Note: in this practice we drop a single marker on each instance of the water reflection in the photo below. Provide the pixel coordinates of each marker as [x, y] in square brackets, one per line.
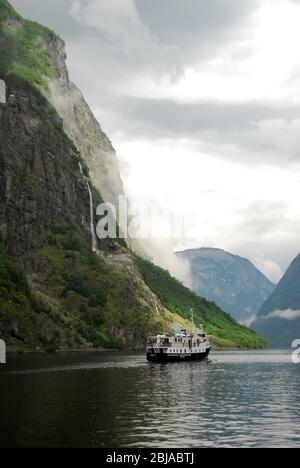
[120, 400]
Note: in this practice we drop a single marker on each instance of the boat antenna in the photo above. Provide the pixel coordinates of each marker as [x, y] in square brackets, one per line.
[193, 323]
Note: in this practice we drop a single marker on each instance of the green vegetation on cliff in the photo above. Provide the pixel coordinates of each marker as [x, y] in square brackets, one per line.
[66, 296]
[24, 318]
[22, 48]
[74, 299]
[103, 304]
[225, 331]
[83, 301]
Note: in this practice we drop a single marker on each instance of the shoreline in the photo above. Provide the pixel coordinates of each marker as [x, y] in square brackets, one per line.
[114, 350]
[62, 351]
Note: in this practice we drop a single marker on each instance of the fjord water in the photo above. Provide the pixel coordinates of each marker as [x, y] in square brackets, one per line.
[235, 399]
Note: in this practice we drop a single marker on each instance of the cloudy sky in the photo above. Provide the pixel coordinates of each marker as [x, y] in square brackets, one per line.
[201, 99]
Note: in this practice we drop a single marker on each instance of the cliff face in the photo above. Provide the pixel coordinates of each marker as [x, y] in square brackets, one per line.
[36, 54]
[39, 174]
[82, 127]
[85, 299]
[287, 293]
[81, 298]
[57, 293]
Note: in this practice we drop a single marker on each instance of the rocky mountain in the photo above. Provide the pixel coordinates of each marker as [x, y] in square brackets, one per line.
[60, 287]
[82, 127]
[233, 282]
[279, 317]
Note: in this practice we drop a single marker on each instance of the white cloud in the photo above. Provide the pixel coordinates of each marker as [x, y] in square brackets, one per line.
[272, 270]
[282, 135]
[288, 314]
[254, 67]
[118, 20]
[252, 212]
[119, 32]
[248, 322]
[202, 101]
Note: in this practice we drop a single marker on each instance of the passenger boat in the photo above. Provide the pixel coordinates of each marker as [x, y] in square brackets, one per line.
[181, 346]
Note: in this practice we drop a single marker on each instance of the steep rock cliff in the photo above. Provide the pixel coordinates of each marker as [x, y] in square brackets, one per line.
[55, 291]
[45, 226]
[82, 127]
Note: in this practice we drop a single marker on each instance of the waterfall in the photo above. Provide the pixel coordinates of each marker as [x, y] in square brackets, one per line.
[92, 227]
[2, 92]
[93, 234]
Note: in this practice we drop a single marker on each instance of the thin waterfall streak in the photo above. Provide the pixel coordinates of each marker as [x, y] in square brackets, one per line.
[93, 234]
[92, 227]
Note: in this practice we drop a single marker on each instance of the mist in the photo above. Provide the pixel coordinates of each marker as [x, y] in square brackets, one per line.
[287, 314]
[162, 253]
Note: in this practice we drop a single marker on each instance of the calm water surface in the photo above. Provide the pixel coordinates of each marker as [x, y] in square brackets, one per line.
[247, 399]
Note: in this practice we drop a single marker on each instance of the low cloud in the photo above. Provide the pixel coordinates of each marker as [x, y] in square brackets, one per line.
[272, 270]
[201, 99]
[248, 322]
[229, 131]
[287, 314]
[161, 252]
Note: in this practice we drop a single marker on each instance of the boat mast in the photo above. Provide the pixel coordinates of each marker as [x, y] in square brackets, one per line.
[193, 323]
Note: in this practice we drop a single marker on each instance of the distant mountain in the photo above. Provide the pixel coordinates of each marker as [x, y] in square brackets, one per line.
[279, 317]
[233, 282]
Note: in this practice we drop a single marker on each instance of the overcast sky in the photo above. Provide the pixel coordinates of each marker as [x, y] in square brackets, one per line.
[201, 99]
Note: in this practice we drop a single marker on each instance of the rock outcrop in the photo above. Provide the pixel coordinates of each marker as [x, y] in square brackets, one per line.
[82, 127]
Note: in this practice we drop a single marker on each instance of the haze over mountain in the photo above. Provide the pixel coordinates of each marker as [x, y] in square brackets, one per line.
[231, 281]
[60, 287]
[195, 98]
[279, 317]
